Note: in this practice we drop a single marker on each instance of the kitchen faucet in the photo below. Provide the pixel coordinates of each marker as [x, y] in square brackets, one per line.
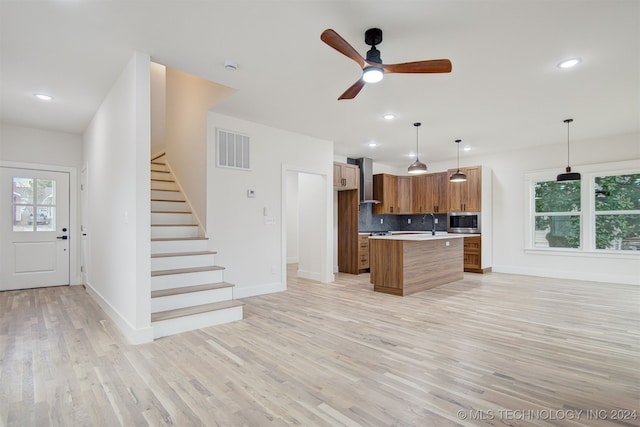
[433, 222]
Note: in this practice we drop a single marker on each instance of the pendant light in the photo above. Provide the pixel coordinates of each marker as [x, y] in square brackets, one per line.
[417, 167]
[568, 175]
[458, 176]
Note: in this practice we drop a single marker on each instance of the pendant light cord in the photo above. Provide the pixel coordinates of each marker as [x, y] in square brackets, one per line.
[417, 125]
[568, 122]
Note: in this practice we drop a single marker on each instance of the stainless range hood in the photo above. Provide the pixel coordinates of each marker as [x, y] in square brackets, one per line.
[366, 179]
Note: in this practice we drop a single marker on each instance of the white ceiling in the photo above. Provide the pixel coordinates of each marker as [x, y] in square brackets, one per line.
[505, 90]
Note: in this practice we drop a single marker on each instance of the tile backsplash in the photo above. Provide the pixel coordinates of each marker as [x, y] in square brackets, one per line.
[367, 221]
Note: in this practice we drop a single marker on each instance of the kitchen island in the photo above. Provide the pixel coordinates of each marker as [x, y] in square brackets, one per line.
[404, 264]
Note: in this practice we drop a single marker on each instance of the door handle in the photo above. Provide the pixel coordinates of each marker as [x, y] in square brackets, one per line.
[62, 237]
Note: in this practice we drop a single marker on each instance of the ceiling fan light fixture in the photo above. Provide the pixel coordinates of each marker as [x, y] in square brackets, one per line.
[372, 74]
[568, 175]
[417, 167]
[458, 176]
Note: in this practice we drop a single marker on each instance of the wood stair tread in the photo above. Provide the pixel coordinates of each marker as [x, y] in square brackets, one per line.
[174, 225]
[173, 212]
[168, 200]
[189, 289]
[197, 309]
[171, 239]
[162, 180]
[165, 255]
[186, 270]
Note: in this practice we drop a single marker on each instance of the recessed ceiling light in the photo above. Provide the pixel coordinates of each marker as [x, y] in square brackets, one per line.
[373, 144]
[466, 148]
[389, 116]
[569, 63]
[43, 97]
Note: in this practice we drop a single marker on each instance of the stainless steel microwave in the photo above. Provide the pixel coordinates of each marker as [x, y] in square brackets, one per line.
[463, 222]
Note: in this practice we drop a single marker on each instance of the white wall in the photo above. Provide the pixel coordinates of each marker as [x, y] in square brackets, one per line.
[509, 216]
[188, 98]
[312, 214]
[116, 154]
[158, 107]
[21, 144]
[252, 249]
[38, 147]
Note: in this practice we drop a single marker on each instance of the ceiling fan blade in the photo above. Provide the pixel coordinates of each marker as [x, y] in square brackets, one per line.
[353, 90]
[429, 66]
[334, 40]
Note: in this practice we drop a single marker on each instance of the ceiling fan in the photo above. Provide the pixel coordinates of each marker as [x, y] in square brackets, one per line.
[372, 68]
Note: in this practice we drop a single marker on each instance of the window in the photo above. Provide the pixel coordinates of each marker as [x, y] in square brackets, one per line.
[600, 213]
[34, 202]
[617, 212]
[557, 214]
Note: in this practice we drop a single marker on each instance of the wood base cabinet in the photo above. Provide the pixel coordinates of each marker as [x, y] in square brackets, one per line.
[473, 254]
[363, 252]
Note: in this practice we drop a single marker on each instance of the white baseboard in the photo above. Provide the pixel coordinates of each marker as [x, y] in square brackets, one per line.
[292, 260]
[311, 275]
[261, 289]
[133, 335]
[607, 277]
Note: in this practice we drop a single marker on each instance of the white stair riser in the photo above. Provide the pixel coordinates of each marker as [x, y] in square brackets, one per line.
[174, 232]
[163, 185]
[188, 261]
[186, 279]
[166, 195]
[164, 328]
[191, 299]
[165, 247]
[171, 218]
[169, 206]
[161, 175]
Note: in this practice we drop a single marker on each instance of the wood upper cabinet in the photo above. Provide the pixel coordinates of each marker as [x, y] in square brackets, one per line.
[429, 193]
[440, 192]
[404, 195]
[466, 196]
[385, 190]
[345, 176]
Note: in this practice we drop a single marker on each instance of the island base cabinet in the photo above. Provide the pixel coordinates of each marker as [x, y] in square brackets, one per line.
[406, 267]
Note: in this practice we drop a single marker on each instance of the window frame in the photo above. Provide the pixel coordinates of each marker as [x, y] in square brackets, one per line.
[587, 208]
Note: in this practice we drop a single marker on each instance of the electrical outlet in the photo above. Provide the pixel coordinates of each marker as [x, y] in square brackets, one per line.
[436, 220]
[408, 220]
[381, 220]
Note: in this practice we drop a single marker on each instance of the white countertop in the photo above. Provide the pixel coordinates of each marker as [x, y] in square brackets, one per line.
[423, 236]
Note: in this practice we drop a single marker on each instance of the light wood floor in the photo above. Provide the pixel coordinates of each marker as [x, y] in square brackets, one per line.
[491, 349]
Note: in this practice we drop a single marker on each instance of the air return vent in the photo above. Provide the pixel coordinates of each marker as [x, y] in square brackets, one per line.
[233, 150]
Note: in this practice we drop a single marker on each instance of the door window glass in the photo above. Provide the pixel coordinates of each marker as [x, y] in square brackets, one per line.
[34, 203]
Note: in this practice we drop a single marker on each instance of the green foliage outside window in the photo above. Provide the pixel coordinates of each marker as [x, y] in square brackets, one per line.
[559, 198]
[616, 199]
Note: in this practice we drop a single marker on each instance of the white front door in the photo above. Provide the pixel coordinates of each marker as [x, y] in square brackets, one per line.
[34, 228]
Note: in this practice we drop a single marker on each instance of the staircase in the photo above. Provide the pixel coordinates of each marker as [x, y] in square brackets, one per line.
[187, 288]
